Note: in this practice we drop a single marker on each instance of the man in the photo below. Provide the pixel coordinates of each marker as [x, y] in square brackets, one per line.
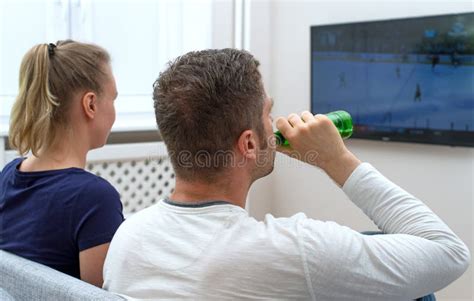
[215, 118]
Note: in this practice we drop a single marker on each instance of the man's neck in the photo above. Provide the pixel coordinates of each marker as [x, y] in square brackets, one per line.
[234, 192]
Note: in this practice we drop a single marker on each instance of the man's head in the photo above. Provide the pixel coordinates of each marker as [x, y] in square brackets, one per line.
[204, 101]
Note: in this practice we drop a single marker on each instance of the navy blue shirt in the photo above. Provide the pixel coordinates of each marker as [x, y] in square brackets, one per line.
[50, 216]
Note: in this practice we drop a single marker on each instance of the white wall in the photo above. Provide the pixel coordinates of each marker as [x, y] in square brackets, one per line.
[441, 176]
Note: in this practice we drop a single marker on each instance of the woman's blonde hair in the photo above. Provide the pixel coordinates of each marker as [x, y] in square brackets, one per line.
[50, 75]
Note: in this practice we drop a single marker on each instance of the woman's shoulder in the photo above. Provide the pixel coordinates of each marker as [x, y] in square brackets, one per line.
[10, 166]
[95, 188]
[98, 202]
[96, 183]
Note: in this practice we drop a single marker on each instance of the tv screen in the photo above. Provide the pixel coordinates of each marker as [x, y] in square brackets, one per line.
[402, 80]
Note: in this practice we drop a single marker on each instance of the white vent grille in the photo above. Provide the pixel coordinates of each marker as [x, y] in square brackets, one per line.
[141, 179]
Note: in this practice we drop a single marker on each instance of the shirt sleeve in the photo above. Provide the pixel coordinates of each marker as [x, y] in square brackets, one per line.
[418, 256]
[98, 214]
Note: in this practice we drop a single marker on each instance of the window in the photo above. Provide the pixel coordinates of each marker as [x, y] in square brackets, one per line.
[141, 36]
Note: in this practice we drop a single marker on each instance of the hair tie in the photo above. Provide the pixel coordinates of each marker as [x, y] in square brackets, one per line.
[51, 48]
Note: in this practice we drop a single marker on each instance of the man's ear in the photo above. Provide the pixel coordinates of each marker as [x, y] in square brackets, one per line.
[247, 144]
[89, 104]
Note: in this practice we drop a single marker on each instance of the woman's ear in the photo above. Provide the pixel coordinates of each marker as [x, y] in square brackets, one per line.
[247, 144]
[89, 104]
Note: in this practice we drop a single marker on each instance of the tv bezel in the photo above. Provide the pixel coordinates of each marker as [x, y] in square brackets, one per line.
[409, 135]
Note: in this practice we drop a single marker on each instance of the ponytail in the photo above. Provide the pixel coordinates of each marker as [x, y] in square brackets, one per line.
[32, 112]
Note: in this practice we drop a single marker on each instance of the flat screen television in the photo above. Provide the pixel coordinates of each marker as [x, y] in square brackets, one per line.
[408, 80]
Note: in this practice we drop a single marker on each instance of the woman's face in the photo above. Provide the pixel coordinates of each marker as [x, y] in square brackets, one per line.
[106, 109]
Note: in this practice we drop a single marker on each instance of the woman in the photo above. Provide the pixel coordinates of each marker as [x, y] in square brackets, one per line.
[52, 211]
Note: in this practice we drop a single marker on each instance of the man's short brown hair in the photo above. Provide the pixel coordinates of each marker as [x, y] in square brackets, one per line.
[203, 101]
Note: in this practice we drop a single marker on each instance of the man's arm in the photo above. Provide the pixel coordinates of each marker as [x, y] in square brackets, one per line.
[419, 254]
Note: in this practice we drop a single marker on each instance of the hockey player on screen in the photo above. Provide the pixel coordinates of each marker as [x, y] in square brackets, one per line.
[342, 80]
[434, 61]
[417, 93]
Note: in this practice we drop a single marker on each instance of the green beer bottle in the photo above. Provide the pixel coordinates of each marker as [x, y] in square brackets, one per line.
[341, 119]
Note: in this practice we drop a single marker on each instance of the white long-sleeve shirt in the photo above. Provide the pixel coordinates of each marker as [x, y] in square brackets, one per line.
[220, 252]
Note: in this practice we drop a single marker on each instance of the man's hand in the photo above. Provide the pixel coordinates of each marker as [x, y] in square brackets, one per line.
[315, 140]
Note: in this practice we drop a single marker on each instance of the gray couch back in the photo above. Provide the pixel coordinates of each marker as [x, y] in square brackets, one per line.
[22, 279]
